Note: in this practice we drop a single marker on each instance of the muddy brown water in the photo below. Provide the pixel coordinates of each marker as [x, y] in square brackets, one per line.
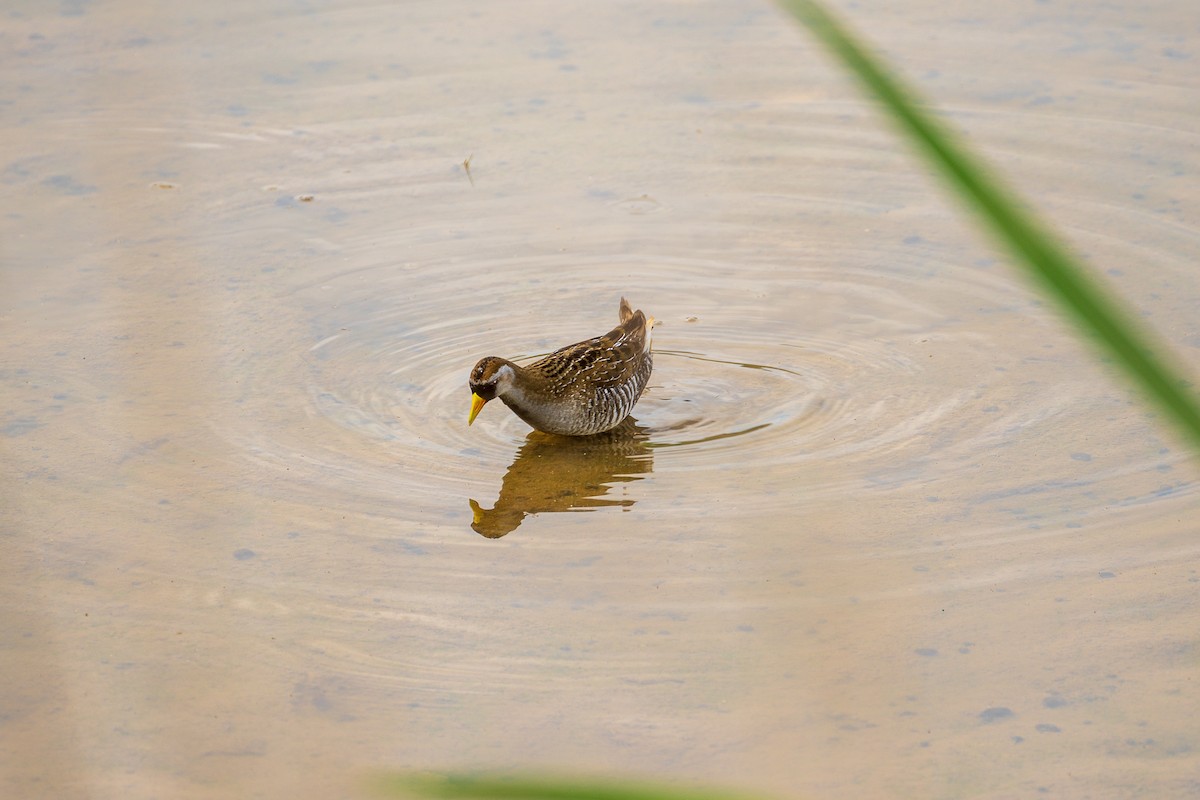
[881, 526]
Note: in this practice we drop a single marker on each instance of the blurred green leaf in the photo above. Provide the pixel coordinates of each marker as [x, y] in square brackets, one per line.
[1032, 245]
[539, 787]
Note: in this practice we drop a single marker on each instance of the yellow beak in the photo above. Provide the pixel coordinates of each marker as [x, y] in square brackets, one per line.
[477, 403]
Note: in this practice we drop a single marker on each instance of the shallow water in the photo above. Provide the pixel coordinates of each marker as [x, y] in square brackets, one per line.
[881, 527]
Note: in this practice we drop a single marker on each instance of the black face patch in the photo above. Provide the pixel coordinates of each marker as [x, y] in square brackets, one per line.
[485, 390]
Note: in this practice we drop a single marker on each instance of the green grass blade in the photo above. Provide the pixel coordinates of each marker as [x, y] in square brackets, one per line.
[1033, 246]
[462, 786]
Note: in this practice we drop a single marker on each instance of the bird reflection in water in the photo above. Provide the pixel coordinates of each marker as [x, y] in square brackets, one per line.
[566, 473]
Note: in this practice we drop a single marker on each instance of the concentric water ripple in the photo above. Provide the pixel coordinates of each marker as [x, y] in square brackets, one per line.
[896, 356]
[849, 368]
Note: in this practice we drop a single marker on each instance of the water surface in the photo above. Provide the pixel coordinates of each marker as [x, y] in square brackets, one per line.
[881, 526]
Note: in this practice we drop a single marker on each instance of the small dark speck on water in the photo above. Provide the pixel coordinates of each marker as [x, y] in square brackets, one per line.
[995, 714]
[244, 554]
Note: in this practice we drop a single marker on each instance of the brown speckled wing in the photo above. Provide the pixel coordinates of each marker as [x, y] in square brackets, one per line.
[608, 360]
